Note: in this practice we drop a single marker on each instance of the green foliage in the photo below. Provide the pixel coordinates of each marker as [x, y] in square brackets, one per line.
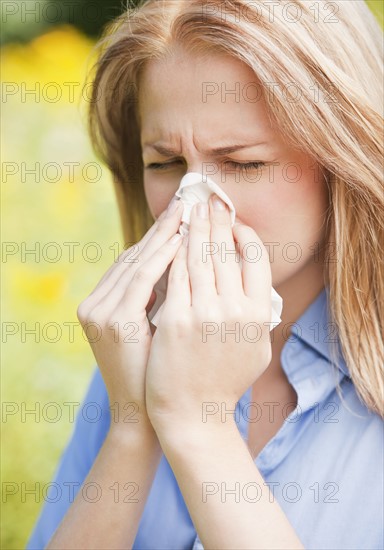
[43, 137]
[377, 8]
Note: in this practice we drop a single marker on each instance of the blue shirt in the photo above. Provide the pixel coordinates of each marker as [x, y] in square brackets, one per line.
[324, 465]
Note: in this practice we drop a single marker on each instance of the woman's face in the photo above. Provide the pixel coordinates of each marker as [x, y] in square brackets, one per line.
[190, 106]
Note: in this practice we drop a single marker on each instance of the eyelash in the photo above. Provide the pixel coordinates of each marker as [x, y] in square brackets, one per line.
[241, 166]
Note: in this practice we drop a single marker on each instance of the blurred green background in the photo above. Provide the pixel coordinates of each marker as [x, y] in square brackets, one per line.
[53, 191]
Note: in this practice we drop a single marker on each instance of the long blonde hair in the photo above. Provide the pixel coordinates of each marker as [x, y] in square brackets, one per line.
[334, 59]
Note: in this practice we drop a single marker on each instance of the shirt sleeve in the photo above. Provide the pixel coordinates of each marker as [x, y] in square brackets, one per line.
[91, 426]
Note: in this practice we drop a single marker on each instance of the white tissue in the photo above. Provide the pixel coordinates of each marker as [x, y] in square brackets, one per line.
[193, 188]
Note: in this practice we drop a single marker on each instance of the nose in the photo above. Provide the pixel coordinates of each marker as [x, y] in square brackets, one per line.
[198, 166]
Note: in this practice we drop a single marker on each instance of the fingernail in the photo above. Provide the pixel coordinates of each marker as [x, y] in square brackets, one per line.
[172, 207]
[202, 210]
[218, 203]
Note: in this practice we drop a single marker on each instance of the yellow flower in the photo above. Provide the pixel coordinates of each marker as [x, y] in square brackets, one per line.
[36, 287]
[62, 55]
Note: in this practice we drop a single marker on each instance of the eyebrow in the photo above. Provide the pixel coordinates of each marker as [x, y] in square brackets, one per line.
[168, 151]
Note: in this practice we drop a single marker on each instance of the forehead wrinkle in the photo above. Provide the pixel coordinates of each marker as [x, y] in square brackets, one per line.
[167, 150]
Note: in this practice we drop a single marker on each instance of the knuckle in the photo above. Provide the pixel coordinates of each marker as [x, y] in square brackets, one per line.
[208, 313]
[95, 317]
[82, 311]
[164, 252]
[201, 227]
[221, 220]
[111, 319]
[141, 275]
[178, 274]
[180, 327]
[163, 226]
[159, 228]
[235, 313]
[197, 263]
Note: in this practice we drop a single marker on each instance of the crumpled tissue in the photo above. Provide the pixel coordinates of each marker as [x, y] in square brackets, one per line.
[193, 188]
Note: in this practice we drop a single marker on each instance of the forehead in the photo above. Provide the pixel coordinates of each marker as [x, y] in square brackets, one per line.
[209, 92]
[183, 58]
[203, 75]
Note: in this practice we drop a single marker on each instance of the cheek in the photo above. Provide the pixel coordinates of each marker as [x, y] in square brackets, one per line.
[285, 212]
[290, 221]
[257, 207]
[258, 214]
[158, 196]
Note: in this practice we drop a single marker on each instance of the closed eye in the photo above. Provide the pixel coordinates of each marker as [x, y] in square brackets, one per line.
[236, 165]
[245, 165]
[157, 166]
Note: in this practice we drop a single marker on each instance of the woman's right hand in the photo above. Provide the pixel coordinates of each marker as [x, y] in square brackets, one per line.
[114, 316]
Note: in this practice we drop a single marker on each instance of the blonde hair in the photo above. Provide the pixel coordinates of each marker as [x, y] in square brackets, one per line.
[335, 62]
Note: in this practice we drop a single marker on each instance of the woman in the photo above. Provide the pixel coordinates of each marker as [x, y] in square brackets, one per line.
[231, 441]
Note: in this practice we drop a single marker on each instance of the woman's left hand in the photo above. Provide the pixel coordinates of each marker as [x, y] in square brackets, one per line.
[213, 338]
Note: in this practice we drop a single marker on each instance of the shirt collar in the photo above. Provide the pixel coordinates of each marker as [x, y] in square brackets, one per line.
[315, 329]
[312, 331]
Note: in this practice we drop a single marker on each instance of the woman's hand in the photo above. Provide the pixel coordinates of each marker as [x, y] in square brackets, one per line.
[114, 315]
[213, 338]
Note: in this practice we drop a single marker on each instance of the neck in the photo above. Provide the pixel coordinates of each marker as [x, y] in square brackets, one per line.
[297, 292]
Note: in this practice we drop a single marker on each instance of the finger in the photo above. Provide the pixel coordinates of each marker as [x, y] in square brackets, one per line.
[199, 258]
[150, 271]
[161, 231]
[226, 261]
[167, 226]
[151, 302]
[127, 256]
[135, 292]
[179, 288]
[256, 268]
